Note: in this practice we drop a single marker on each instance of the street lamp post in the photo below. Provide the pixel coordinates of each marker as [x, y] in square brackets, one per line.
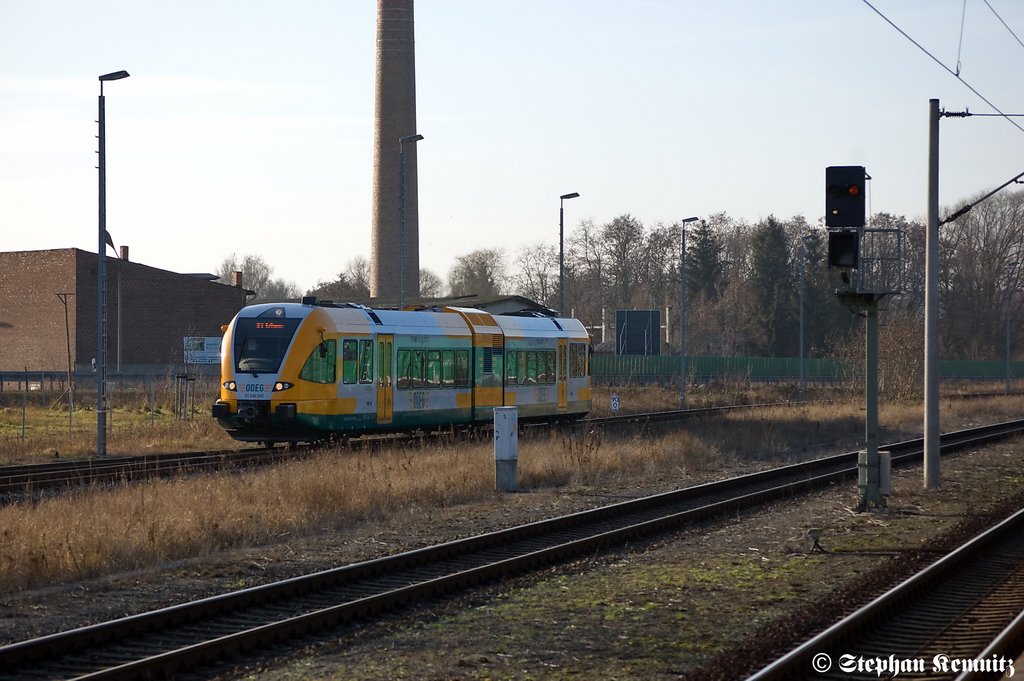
[682, 311]
[1009, 266]
[101, 275]
[561, 251]
[401, 215]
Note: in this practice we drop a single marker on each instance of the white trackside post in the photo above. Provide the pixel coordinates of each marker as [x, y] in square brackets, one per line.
[506, 449]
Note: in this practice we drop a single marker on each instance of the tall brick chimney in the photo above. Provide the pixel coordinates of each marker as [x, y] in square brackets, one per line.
[394, 118]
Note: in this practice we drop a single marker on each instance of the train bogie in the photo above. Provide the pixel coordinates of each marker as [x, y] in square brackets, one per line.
[294, 372]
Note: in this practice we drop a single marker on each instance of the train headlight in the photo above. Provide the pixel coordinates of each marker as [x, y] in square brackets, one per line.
[229, 385]
[281, 385]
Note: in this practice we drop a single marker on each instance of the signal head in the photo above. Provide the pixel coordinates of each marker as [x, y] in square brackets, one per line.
[844, 196]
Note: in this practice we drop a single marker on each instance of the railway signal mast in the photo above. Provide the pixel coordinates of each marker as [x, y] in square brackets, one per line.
[869, 262]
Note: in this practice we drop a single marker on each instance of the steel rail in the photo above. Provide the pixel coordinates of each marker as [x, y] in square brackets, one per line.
[136, 647]
[1009, 643]
[18, 480]
[29, 478]
[23, 479]
[966, 606]
[728, 494]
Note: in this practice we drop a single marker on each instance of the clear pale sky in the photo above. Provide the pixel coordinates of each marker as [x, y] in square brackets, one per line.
[246, 126]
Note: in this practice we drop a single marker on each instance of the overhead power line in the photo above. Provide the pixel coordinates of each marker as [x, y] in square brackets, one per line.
[1003, 22]
[939, 62]
[956, 74]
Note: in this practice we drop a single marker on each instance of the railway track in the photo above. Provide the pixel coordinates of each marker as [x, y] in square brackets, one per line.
[17, 481]
[20, 480]
[164, 642]
[960, 618]
[30, 478]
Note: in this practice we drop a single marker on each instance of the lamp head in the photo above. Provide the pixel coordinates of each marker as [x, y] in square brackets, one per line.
[116, 75]
[569, 196]
[410, 138]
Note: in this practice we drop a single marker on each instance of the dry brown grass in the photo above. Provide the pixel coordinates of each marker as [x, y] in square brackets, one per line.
[642, 399]
[37, 426]
[130, 434]
[92, 532]
[37, 433]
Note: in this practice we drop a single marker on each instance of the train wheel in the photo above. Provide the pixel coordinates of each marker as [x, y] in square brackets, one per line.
[269, 443]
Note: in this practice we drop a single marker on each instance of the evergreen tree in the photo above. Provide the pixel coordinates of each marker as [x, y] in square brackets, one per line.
[774, 290]
[705, 269]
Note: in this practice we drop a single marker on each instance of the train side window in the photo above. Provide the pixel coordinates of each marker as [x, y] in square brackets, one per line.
[448, 369]
[462, 368]
[349, 360]
[549, 376]
[511, 364]
[366, 361]
[419, 360]
[575, 365]
[433, 374]
[531, 367]
[404, 369]
[320, 366]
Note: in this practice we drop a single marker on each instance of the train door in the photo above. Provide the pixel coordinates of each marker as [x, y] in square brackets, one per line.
[562, 373]
[385, 377]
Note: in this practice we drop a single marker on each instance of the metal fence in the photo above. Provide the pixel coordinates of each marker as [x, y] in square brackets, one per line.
[177, 392]
[182, 389]
[646, 369]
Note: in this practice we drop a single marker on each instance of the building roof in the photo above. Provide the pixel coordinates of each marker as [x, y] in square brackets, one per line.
[495, 304]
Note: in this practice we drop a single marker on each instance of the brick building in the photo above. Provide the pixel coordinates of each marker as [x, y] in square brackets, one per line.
[153, 309]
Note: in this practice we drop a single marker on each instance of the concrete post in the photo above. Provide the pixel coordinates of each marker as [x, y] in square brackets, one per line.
[885, 473]
[932, 472]
[506, 449]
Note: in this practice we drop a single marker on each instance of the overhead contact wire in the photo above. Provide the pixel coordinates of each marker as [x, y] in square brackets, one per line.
[939, 62]
[1003, 22]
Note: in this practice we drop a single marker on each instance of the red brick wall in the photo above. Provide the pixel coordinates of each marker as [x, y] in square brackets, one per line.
[32, 330]
[157, 309]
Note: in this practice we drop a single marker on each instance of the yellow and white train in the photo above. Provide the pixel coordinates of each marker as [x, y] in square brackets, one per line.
[294, 372]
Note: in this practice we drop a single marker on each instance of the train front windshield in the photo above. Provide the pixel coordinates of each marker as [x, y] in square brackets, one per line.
[260, 344]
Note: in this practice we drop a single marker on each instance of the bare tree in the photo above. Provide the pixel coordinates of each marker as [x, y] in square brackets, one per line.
[626, 246]
[352, 284]
[358, 273]
[431, 285]
[660, 274]
[256, 276]
[978, 253]
[585, 281]
[536, 274]
[481, 273]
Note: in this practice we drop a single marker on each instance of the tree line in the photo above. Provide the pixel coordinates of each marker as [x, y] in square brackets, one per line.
[743, 281]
